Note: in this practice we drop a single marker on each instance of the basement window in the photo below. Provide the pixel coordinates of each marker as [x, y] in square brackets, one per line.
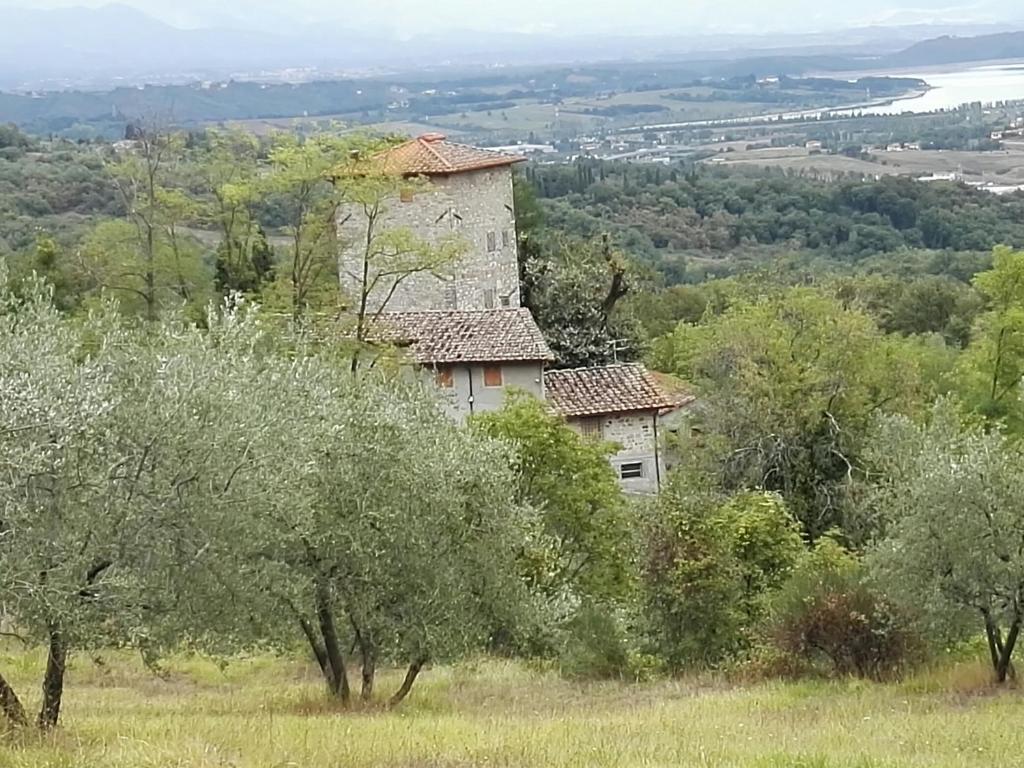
[632, 471]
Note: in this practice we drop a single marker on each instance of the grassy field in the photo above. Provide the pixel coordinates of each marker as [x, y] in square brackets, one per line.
[272, 713]
[1001, 167]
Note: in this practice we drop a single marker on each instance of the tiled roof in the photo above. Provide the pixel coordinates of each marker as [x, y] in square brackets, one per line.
[492, 336]
[677, 391]
[432, 155]
[611, 389]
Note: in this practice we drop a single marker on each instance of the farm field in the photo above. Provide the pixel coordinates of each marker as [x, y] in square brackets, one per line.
[267, 712]
[1001, 167]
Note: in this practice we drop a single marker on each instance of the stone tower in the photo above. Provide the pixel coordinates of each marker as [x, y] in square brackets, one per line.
[468, 196]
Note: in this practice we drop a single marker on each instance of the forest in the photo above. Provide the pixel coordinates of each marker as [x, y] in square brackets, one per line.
[206, 462]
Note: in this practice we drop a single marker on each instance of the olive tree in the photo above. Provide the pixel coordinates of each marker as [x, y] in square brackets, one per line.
[106, 446]
[373, 522]
[950, 498]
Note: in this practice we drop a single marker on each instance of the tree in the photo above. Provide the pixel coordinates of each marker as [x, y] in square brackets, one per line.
[107, 447]
[146, 259]
[230, 170]
[583, 548]
[574, 289]
[711, 562]
[991, 371]
[378, 258]
[380, 525]
[948, 496]
[299, 182]
[789, 385]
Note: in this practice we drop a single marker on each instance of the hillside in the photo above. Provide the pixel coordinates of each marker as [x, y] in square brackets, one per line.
[952, 50]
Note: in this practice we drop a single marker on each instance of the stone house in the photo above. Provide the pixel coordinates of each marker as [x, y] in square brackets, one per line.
[465, 329]
[469, 199]
[623, 404]
[473, 356]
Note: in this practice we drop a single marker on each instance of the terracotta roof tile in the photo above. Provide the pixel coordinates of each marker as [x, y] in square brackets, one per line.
[433, 155]
[611, 389]
[497, 335]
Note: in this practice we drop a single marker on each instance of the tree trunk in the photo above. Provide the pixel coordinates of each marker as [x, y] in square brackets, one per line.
[1000, 650]
[410, 677]
[338, 678]
[11, 705]
[1004, 670]
[53, 681]
[317, 647]
[369, 656]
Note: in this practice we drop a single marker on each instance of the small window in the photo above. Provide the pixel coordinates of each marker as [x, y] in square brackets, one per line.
[451, 295]
[492, 242]
[590, 428]
[444, 378]
[488, 298]
[492, 376]
[407, 194]
[506, 239]
[506, 301]
[632, 471]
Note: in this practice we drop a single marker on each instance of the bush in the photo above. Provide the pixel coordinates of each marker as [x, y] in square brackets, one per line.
[597, 647]
[710, 563]
[827, 616]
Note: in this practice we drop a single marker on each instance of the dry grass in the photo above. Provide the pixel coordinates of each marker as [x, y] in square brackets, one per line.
[265, 712]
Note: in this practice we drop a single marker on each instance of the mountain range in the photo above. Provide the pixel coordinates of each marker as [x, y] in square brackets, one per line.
[120, 45]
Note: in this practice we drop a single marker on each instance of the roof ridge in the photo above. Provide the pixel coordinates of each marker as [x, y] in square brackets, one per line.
[597, 367]
[428, 146]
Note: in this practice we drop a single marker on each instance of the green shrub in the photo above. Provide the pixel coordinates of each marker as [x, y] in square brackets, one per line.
[828, 616]
[596, 646]
[710, 563]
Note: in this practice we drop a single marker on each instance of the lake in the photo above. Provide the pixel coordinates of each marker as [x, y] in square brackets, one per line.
[987, 84]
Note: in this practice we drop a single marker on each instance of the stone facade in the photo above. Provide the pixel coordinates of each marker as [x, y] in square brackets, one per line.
[638, 463]
[475, 208]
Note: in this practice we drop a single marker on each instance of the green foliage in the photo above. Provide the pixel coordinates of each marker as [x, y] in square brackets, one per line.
[991, 370]
[826, 614]
[583, 548]
[574, 288]
[948, 500]
[596, 646]
[710, 563]
[789, 384]
[688, 226]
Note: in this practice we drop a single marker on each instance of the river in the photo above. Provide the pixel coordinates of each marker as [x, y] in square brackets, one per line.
[949, 88]
[987, 84]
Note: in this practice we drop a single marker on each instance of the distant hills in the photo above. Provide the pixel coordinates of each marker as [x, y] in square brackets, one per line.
[955, 50]
[98, 48]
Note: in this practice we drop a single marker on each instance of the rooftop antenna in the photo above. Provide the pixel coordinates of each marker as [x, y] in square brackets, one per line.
[617, 345]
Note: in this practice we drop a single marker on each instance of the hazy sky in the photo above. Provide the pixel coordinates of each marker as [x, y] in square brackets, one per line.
[564, 16]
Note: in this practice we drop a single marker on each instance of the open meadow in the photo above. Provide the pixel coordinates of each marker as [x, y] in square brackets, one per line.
[266, 712]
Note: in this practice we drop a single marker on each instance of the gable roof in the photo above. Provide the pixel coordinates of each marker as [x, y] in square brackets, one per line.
[433, 155]
[623, 388]
[489, 336]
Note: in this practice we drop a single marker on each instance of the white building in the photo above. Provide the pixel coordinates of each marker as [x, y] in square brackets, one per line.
[473, 356]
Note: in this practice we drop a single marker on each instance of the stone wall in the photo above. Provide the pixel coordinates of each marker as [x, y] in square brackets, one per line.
[635, 433]
[476, 209]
